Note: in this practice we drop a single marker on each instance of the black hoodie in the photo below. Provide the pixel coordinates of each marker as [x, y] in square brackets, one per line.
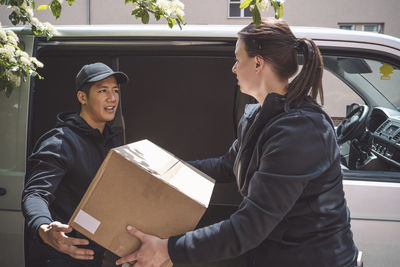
[64, 162]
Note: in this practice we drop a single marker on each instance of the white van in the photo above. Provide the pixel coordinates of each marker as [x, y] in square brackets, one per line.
[184, 97]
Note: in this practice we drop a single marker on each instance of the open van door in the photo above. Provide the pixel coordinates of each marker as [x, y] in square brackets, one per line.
[13, 137]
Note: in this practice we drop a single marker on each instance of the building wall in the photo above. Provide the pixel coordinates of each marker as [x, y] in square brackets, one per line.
[324, 13]
[328, 13]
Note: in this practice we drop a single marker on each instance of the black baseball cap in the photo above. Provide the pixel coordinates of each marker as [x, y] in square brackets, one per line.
[96, 72]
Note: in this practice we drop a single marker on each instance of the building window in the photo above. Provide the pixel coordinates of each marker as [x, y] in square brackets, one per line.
[368, 27]
[347, 27]
[235, 11]
[372, 28]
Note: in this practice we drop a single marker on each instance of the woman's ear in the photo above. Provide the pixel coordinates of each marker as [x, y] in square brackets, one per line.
[82, 98]
[259, 63]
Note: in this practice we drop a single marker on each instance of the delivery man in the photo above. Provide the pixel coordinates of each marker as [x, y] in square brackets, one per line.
[61, 167]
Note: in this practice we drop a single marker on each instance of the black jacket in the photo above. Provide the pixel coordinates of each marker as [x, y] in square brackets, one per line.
[287, 166]
[64, 162]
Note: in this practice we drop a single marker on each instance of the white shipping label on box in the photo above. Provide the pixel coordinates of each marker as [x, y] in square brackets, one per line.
[87, 221]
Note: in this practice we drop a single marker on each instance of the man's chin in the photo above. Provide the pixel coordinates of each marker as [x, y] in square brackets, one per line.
[109, 118]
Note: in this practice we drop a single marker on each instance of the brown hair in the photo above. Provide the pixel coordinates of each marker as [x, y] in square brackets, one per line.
[86, 89]
[274, 41]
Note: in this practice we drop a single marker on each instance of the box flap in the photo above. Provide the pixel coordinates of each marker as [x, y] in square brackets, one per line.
[194, 184]
[147, 155]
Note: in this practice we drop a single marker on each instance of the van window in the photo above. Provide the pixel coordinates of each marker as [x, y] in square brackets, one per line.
[337, 97]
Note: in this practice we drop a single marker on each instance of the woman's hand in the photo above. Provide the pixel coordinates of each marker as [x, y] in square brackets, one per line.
[54, 235]
[152, 253]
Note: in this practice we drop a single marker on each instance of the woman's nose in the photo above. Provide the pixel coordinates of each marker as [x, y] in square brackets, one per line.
[234, 68]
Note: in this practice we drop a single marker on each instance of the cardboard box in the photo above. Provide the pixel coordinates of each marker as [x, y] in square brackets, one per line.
[145, 186]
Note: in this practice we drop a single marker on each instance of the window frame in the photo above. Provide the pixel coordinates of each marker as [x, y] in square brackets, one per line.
[380, 27]
[242, 11]
[361, 26]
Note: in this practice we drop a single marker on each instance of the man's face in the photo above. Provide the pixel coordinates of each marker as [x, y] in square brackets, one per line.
[102, 102]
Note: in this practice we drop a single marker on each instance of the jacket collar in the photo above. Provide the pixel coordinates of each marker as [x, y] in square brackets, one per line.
[76, 123]
[272, 106]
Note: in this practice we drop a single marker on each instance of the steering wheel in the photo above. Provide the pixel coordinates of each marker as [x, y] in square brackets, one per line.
[353, 124]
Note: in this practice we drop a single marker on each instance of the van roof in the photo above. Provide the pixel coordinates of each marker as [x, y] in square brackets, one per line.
[211, 31]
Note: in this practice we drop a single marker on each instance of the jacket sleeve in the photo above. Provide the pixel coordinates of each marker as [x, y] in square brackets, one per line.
[46, 167]
[293, 153]
[221, 168]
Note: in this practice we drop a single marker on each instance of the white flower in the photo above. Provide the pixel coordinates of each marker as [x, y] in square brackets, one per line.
[24, 5]
[163, 4]
[12, 37]
[37, 62]
[3, 36]
[11, 34]
[18, 53]
[171, 7]
[23, 54]
[8, 51]
[180, 13]
[28, 8]
[135, 5]
[280, 2]
[35, 21]
[263, 5]
[13, 61]
[25, 61]
[4, 54]
[176, 5]
[16, 10]
[50, 27]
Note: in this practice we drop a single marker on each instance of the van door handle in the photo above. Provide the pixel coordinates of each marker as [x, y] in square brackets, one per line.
[3, 191]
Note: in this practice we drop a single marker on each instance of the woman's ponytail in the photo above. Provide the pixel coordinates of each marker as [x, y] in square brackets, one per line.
[275, 42]
[308, 83]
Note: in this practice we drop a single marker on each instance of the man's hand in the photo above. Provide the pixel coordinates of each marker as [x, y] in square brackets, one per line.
[152, 253]
[54, 235]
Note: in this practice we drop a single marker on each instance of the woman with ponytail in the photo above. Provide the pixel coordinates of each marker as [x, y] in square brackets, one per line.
[286, 163]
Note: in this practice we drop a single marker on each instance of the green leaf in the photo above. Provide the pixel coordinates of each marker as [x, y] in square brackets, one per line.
[171, 22]
[24, 16]
[129, 1]
[14, 18]
[70, 2]
[179, 18]
[280, 12]
[145, 17]
[256, 16]
[55, 8]
[157, 15]
[245, 4]
[16, 2]
[135, 11]
[179, 24]
[145, 4]
[42, 7]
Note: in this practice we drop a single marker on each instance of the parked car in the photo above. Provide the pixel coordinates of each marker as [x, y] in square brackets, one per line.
[184, 97]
